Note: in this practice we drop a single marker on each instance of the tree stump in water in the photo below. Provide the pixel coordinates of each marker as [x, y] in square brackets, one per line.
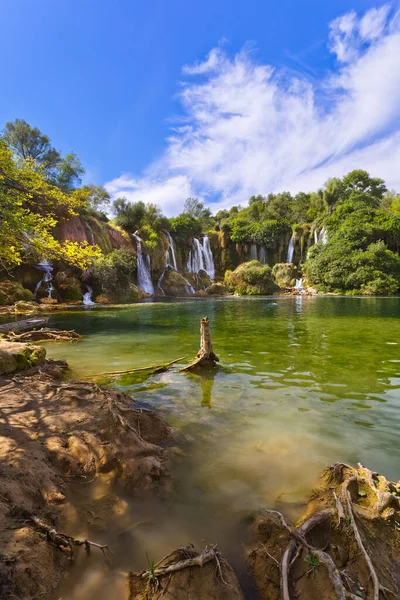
[205, 357]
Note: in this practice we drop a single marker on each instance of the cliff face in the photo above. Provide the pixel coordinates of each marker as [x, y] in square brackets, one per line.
[93, 231]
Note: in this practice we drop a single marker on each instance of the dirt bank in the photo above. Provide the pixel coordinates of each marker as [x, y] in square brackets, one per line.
[55, 436]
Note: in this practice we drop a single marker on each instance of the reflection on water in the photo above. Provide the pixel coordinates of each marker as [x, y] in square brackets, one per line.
[304, 382]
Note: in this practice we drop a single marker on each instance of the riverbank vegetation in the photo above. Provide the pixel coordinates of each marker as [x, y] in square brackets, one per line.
[343, 238]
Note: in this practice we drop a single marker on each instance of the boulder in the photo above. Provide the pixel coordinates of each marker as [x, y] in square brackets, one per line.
[12, 291]
[174, 284]
[15, 356]
[216, 289]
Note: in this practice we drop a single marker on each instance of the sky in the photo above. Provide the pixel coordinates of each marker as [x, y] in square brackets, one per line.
[220, 100]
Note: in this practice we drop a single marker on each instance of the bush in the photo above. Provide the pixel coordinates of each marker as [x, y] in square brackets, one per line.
[344, 267]
[251, 278]
[285, 274]
[112, 275]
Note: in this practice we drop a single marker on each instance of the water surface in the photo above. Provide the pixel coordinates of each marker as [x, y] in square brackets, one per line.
[304, 382]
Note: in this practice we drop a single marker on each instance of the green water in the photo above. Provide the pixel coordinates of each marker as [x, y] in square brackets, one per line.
[304, 382]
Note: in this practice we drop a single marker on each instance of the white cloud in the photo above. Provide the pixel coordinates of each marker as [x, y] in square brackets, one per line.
[251, 129]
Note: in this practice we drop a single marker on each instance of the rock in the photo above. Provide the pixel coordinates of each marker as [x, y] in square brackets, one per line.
[251, 278]
[12, 291]
[193, 582]
[174, 284]
[102, 300]
[48, 301]
[203, 280]
[68, 286]
[15, 356]
[216, 289]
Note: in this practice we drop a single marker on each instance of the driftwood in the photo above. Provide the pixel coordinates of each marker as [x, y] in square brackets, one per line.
[44, 334]
[25, 325]
[152, 368]
[205, 357]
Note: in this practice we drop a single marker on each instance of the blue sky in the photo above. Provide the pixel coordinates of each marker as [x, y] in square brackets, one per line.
[108, 80]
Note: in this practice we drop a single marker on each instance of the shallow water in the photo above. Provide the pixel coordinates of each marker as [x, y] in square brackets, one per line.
[304, 382]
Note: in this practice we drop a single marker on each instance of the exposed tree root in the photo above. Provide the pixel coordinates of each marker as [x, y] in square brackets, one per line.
[193, 560]
[348, 493]
[61, 540]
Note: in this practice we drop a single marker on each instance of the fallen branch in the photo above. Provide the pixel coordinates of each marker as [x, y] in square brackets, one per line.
[154, 368]
[44, 334]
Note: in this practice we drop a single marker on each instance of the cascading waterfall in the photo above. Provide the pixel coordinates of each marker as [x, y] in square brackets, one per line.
[315, 236]
[208, 258]
[290, 251]
[201, 258]
[143, 268]
[87, 298]
[323, 236]
[253, 251]
[263, 255]
[195, 261]
[171, 252]
[47, 278]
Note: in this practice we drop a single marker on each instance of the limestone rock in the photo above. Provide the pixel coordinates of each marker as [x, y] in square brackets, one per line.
[15, 356]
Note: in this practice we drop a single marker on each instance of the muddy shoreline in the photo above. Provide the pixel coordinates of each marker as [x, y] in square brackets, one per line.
[73, 453]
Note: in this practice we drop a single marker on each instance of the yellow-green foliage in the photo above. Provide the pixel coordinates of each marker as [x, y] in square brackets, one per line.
[29, 208]
[12, 291]
[252, 279]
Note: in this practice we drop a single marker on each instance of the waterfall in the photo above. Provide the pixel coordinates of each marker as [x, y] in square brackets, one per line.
[299, 285]
[195, 260]
[143, 268]
[91, 233]
[253, 251]
[263, 255]
[315, 236]
[47, 278]
[87, 298]
[323, 236]
[201, 258]
[208, 258]
[171, 251]
[290, 250]
[189, 290]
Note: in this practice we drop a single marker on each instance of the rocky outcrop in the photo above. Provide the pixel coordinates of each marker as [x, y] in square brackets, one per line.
[216, 289]
[12, 291]
[93, 231]
[15, 356]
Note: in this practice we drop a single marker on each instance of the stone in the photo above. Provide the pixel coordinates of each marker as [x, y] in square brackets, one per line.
[15, 356]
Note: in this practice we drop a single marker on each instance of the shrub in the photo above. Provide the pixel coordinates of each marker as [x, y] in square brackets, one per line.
[112, 275]
[251, 278]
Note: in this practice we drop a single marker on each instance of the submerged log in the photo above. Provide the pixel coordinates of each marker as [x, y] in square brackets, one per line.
[24, 325]
[205, 357]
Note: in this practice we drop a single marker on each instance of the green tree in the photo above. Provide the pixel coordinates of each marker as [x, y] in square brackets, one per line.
[30, 143]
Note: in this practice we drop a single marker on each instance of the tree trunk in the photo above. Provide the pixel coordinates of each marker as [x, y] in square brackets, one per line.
[26, 325]
[205, 357]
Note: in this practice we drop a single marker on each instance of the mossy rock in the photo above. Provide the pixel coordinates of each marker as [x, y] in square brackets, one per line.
[251, 279]
[203, 280]
[15, 356]
[68, 286]
[174, 284]
[216, 289]
[285, 274]
[12, 291]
